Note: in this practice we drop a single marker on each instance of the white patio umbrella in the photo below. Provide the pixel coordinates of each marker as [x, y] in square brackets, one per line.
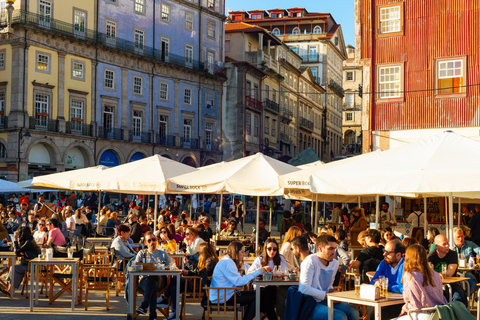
[442, 165]
[255, 175]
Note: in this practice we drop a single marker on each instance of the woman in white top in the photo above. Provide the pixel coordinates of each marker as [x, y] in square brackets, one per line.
[286, 250]
[193, 241]
[273, 259]
[227, 275]
[81, 221]
[40, 236]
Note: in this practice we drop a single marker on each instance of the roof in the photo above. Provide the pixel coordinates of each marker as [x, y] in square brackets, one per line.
[246, 27]
[298, 8]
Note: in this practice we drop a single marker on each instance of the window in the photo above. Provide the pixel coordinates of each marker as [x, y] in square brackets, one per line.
[274, 95]
[255, 91]
[296, 30]
[209, 100]
[137, 123]
[165, 48]
[274, 15]
[163, 91]
[211, 4]
[43, 62]
[189, 21]
[297, 14]
[314, 74]
[389, 82]
[139, 6]
[248, 89]
[138, 85]
[108, 112]
[208, 135]
[3, 151]
[187, 96]
[267, 91]
[165, 12]
[2, 59]
[187, 130]
[256, 16]
[312, 54]
[210, 61]
[349, 100]
[188, 55]
[276, 32]
[294, 49]
[266, 125]
[45, 13]
[227, 45]
[274, 124]
[390, 19]
[139, 36]
[211, 29]
[163, 128]
[336, 41]
[41, 110]
[248, 123]
[255, 126]
[317, 30]
[111, 27]
[349, 116]
[451, 76]
[78, 70]
[2, 103]
[109, 79]
[76, 115]
[349, 76]
[79, 22]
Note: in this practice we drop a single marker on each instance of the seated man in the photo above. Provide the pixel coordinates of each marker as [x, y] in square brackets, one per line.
[369, 258]
[55, 236]
[466, 248]
[151, 284]
[391, 266]
[444, 256]
[317, 274]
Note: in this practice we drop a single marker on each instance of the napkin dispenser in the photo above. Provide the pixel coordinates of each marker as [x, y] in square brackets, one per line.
[462, 263]
[369, 292]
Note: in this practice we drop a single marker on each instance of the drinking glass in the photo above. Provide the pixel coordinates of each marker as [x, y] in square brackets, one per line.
[444, 270]
[70, 253]
[357, 285]
[385, 287]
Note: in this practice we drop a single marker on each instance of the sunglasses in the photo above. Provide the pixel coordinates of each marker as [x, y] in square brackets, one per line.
[270, 249]
[41, 224]
[388, 252]
[164, 231]
[187, 233]
[151, 240]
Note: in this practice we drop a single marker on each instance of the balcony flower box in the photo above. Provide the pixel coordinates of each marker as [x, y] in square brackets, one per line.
[42, 115]
[77, 120]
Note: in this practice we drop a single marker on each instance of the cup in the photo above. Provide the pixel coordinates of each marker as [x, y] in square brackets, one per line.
[70, 253]
[444, 270]
[385, 287]
[358, 282]
[267, 276]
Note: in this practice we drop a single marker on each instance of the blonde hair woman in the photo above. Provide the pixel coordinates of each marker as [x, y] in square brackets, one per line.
[286, 250]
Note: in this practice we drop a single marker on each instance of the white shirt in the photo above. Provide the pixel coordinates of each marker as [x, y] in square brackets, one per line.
[226, 275]
[70, 222]
[257, 264]
[287, 253]
[316, 279]
[193, 249]
[413, 219]
[389, 217]
[82, 220]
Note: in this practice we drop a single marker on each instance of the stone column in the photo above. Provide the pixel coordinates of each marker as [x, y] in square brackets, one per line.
[18, 104]
[61, 99]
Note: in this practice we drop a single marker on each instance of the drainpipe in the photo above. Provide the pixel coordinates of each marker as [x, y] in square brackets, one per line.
[245, 115]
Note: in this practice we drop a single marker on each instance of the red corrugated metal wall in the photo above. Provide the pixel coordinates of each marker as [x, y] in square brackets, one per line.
[433, 29]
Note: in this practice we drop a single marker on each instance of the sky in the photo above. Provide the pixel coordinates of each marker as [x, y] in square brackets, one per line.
[341, 10]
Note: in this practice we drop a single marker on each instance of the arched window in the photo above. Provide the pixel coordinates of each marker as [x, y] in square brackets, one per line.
[295, 30]
[3, 151]
[317, 29]
[276, 32]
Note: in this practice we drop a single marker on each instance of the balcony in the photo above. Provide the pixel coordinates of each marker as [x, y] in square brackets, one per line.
[190, 143]
[70, 30]
[166, 140]
[110, 133]
[253, 104]
[79, 128]
[285, 138]
[301, 36]
[311, 57]
[306, 124]
[211, 146]
[352, 106]
[286, 115]
[261, 58]
[3, 122]
[140, 137]
[271, 106]
[336, 87]
[41, 122]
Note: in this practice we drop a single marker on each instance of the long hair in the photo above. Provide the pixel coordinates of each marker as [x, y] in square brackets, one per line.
[78, 213]
[24, 233]
[434, 231]
[276, 259]
[207, 252]
[169, 235]
[292, 232]
[232, 250]
[416, 260]
[359, 210]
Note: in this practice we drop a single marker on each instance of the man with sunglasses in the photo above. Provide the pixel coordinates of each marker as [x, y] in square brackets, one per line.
[391, 266]
[151, 284]
[55, 235]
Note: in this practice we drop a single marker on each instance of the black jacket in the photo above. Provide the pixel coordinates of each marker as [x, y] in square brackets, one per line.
[136, 232]
[29, 250]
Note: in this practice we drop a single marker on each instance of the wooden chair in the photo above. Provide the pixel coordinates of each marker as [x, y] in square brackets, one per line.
[194, 296]
[163, 311]
[97, 277]
[222, 309]
[26, 281]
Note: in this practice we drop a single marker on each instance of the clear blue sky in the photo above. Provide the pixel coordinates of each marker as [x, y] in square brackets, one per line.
[341, 10]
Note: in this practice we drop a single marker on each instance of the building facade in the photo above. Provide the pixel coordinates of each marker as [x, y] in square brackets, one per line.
[421, 69]
[273, 104]
[108, 82]
[352, 104]
[318, 40]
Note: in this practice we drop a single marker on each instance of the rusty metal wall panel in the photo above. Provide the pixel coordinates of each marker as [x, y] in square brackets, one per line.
[433, 29]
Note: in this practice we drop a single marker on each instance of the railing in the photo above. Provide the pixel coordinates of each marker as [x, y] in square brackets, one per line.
[68, 29]
[166, 140]
[285, 137]
[336, 87]
[286, 115]
[211, 145]
[3, 122]
[352, 106]
[254, 103]
[43, 123]
[80, 128]
[138, 136]
[306, 124]
[190, 143]
[110, 133]
[310, 57]
[271, 105]
[252, 57]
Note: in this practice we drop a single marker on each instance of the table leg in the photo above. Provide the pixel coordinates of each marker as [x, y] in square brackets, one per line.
[257, 302]
[12, 277]
[32, 267]
[37, 283]
[378, 313]
[131, 279]
[450, 294]
[178, 297]
[74, 284]
[330, 308]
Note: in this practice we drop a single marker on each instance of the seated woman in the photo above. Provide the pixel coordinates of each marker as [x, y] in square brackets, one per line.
[24, 246]
[123, 248]
[165, 237]
[192, 240]
[178, 234]
[227, 275]
[41, 234]
[387, 235]
[273, 259]
[286, 249]
[230, 230]
[81, 221]
[112, 222]
[422, 286]
[102, 220]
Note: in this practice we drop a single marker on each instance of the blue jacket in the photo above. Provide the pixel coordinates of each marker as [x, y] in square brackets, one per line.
[298, 306]
[394, 280]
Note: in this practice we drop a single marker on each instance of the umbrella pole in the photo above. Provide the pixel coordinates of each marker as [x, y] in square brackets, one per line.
[359, 202]
[258, 218]
[394, 207]
[155, 214]
[316, 214]
[377, 213]
[459, 210]
[450, 211]
[220, 211]
[271, 215]
[311, 212]
[425, 216]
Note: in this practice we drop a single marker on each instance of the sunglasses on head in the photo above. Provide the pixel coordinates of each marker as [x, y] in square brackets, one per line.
[272, 248]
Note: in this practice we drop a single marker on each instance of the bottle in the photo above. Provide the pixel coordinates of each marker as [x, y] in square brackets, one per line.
[144, 258]
[471, 261]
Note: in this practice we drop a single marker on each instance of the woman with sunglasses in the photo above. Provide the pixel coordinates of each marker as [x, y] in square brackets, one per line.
[273, 259]
[165, 237]
[193, 241]
[227, 275]
[230, 230]
[40, 235]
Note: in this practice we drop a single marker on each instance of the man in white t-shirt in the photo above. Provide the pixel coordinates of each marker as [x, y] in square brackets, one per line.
[416, 218]
[69, 220]
[387, 218]
[317, 274]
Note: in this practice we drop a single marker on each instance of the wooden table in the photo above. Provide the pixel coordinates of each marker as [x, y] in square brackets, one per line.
[99, 240]
[35, 266]
[263, 283]
[132, 287]
[179, 257]
[12, 258]
[352, 297]
[447, 282]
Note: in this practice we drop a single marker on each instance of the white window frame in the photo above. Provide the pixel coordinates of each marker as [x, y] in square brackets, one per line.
[296, 31]
[187, 96]
[163, 125]
[211, 26]
[386, 86]
[139, 6]
[349, 116]
[451, 68]
[210, 61]
[42, 107]
[3, 58]
[77, 108]
[165, 13]
[317, 30]
[79, 22]
[189, 21]
[211, 4]
[137, 123]
[139, 39]
[349, 100]
[209, 100]
[163, 91]
[111, 30]
[78, 70]
[189, 54]
[43, 62]
[390, 19]
[248, 123]
[256, 126]
[45, 9]
[137, 85]
[208, 135]
[108, 118]
[352, 74]
[3, 102]
[266, 125]
[187, 130]
[109, 79]
[276, 32]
